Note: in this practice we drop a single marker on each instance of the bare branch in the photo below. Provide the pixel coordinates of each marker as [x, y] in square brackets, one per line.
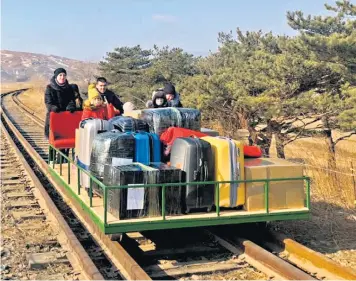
[292, 140]
[295, 138]
[313, 121]
[133, 96]
[293, 129]
[300, 137]
[345, 137]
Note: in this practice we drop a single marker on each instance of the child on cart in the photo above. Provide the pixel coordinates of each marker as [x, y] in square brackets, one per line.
[94, 106]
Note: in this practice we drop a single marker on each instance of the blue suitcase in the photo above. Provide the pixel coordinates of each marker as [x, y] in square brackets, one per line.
[147, 148]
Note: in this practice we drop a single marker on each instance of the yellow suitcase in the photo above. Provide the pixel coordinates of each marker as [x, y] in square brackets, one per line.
[229, 165]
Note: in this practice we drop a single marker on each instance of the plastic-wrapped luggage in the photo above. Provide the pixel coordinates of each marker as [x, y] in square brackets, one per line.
[229, 166]
[152, 204]
[160, 119]
[88, 129]
[195, 157]
[147, 148]
[110, 148]
[117, 148]
[173, 194]
[128, 124]
[125, 203]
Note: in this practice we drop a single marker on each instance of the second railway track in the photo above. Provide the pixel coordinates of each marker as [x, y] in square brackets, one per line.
[30, 249]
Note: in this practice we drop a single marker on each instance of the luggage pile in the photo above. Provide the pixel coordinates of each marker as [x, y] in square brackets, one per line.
[160, 119]
[168, 145]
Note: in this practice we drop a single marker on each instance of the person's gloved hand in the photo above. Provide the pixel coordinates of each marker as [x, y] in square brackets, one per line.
[71, 108]
[54, 108]
[117, 112]
[149, 104]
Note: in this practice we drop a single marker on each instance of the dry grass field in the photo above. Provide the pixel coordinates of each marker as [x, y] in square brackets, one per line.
[8, 87]
[336, 186]
[34, 98]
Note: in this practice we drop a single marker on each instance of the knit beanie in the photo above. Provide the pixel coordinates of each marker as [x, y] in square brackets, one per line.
[169, 89]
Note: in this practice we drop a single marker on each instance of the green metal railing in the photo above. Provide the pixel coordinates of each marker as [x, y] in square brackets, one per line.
[163, 186]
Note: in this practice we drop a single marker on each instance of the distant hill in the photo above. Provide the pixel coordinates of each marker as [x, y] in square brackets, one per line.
[23, 67]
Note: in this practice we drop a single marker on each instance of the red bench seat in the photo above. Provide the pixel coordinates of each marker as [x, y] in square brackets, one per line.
[62, 128]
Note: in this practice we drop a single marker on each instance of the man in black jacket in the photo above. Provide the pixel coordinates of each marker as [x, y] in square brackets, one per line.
[109, 96]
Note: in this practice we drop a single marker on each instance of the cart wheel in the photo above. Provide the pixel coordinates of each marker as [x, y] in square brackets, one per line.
[116, 237]
[209, 209]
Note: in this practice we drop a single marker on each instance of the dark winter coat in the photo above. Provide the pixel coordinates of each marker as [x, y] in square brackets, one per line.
[114, 100]
[175, 102]
[78, 98]
[57, 99]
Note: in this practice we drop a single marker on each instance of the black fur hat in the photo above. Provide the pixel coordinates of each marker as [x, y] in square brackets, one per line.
[59, 71]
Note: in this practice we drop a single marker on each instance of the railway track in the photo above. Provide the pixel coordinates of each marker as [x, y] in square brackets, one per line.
[202, 254]
[230, 252]
[184, 253]
[99, 258]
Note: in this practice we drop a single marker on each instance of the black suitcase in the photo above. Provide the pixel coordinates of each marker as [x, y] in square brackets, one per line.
[173, 194]
[160, 119]
[194, 156]
[128, 124]
[110, 148]
[129, 203]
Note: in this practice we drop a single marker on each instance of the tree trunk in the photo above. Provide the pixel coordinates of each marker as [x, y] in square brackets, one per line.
[263, 140]
[274, 127]
[280, 146]
[331, 150]
[243, 122]
[330, 143]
